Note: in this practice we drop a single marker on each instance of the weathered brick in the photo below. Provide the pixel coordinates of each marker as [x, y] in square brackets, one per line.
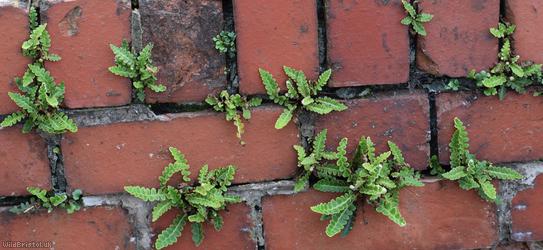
[14, 26]
[23, 162]
[526, 212]
[367, 44]
[402, 118]
[91, 228]
[499, 131]
[135, 153]
[439, 215]
[81, 32]
[273, 34]
[526, 15]
[458, 41]
[184, 52]
[236, 232]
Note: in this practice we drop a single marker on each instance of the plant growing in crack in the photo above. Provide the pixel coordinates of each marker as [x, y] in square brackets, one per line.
[415, 20]
[198, 202]
[42, 199]
[236, 107]
[470, 172]
[225, 43]
[375, 179]
[301, 94]
[40, 96]
[138, 67]
[509, 72]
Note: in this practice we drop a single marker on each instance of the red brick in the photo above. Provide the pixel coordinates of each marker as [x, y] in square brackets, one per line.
[526, 212]
[103, 159]
[439, 216]
[499, 131]
[14, 26]
[273, 34]
[81, 32]
[367, 44]
[182, 33]
[23, 162]
[235, 234]
[91, 228]
[402, 118]
[458, 38]
[526, 15]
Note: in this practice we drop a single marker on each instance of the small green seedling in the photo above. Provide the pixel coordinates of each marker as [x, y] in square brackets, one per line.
[509, 72]
[225, 43]
[470, 172]
[414, 19]
[42, 199]
[197, 203]
[236, 107]
[139, 68]
[453, 85]
[40, 96]
[377, 179]
[301, 94]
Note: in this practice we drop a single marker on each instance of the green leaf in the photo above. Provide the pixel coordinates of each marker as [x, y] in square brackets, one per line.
[424, 17]
[503, 173]
[170, 234]
[488, 189]
[76, 194]
[517, 70]
[58, 199]
[123, 55]
[197, 233]
[284, 118]
[39, 193]
[337, 186]
[182, 161]
[23, 102]
[323, 80]
[160, 209]
[12, 119]
[455, 173]
[325, 105]
[302, 182]
[319, 144]
[158, 88]
[406, 20]
[218, 222]
[145, 194]
[336, 205]
[409, 8]
[300, 79]
[270, 84]
[396, 153]
[206, 201]
[340, 220]
[122, 71]
[389, 207]
[418, 28]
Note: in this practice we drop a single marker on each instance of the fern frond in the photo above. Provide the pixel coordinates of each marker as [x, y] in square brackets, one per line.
[170, 235]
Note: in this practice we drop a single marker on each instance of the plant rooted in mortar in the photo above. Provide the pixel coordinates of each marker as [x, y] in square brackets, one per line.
[414, 19]
[376, 179]
[42, 199]
[225, 43]
[139, 68]
[40, 96]
[235, 106]
[197, 202]
[301, 94]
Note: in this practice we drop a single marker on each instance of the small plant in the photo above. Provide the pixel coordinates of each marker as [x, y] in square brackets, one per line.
[225, 43]
[414, 19]
[233, 105]
[42, 199]
[470, 172]
[40, 96]
[300, 91]
[453, 85]
[377, 179]
[508, 72]
[139, 68]
[198, 203]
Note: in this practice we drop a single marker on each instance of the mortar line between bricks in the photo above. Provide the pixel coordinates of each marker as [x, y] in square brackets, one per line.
[322, 35]
[434, 132]
[232, 83]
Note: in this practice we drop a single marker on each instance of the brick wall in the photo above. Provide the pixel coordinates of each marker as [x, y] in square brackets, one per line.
[120, 142]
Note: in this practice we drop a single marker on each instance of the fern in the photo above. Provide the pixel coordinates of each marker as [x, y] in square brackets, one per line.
[138, 67]
[415, 20]
[470, 172]
[225, 43]
[198, 202]
[301, 94]
[236, 107]
[43, 199]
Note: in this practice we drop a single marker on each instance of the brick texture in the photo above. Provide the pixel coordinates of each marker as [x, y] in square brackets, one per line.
[526, 14]
[23, 162]
[135, 153]
[384, 118]
[367, 44]
[272, 34]
[81, 32]
[184, 52]
[526, 212]
[92, 228]
[458, 41]
[499, 131]
[439, 216]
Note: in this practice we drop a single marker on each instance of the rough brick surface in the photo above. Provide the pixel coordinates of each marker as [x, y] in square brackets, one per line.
[92, 228]
[402, 118]
[458, 38]
[81, 32]
[184, 52]
[367, 44]
[23, 162]
[135, 153]
[272, 34]
[235, 234]
[439, 216]
[14, 26]
[526, 14]
[499, 131]
[526, 212]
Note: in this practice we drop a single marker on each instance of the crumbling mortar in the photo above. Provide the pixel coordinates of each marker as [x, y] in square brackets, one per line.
[136, 31]
[56, 162]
